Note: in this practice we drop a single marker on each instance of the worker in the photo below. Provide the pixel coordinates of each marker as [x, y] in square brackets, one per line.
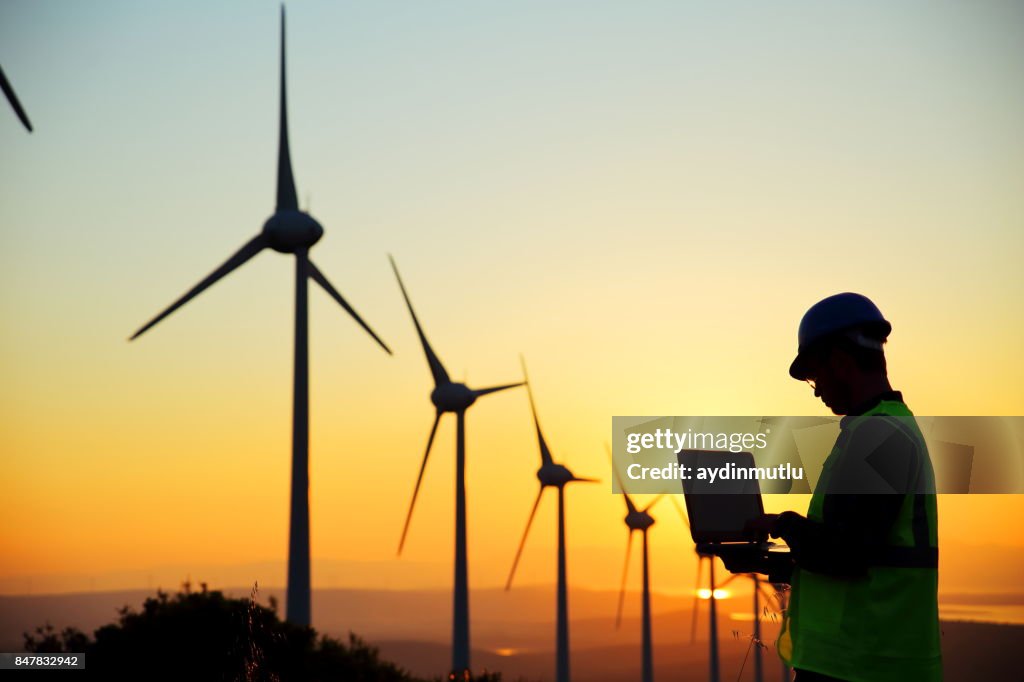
[863, 605]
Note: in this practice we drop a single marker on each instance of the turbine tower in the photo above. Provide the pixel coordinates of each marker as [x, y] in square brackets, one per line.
[712, 598]
[288, 231]
[448, 396]
[760, 611]
[13, 99]
[638, 520]
[712, 602]
[552, 475]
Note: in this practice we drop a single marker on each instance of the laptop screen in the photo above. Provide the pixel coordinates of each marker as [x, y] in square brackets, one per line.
[720, 503]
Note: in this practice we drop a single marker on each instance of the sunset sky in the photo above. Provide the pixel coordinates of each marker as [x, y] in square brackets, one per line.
[641, 199]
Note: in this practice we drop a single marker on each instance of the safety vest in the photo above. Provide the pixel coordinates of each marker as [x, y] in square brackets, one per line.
[884, 626]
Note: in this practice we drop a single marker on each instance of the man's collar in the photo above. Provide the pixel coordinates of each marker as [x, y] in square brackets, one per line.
[869, 404]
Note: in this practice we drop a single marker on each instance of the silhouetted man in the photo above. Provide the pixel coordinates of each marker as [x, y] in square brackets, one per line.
[864, 582]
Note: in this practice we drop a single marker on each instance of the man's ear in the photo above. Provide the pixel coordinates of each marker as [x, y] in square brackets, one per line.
[843, 364]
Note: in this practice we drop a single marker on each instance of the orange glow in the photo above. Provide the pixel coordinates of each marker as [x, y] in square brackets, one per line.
[705, 593]
[648, 242]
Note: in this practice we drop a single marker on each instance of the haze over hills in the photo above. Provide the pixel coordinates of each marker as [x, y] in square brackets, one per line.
[518, 619]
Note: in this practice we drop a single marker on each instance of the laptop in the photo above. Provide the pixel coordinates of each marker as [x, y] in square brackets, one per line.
[719, 510]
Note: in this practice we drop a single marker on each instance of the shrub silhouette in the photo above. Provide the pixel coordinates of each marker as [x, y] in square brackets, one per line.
[203, 635]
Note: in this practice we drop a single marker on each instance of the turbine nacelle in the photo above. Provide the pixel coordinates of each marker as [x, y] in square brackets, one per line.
[639, 520]
[452, 397]
[291, 231]
[554, 475]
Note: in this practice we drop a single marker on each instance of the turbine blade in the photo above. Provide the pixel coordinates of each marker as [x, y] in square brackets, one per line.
[630, 507]
[696, 599]
[545, 452]
[682, 514]
[436, 368]
[729, 579]
[250, 249]
[655, 501]
[13, 99]
[286, 195]
[625, 572]
[320, 279]
[494, 389]
[419, 479]
[522, 543]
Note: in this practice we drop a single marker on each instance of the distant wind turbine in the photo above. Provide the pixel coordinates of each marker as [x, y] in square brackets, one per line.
[552, 475]
[712, 597]
[712, 603]
[13, 99]
[638, 520]
[448, 396]
[292, 231]
[760, 612]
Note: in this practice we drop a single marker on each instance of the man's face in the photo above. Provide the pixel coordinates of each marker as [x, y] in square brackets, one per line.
[829, 377]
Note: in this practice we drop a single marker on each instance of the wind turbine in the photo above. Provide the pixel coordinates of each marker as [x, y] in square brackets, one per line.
[712, 601]
[13, 99]
[448, 396]
[712, 592]
[292, 231]
[638, 520]
[760, 612]
[552, 475]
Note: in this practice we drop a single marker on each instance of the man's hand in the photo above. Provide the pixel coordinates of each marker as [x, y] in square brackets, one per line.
[776, 525]
[752, 559]
[763, 524]
[787, 525]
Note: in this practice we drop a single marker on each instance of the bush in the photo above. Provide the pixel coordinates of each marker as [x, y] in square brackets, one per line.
[206, 636]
